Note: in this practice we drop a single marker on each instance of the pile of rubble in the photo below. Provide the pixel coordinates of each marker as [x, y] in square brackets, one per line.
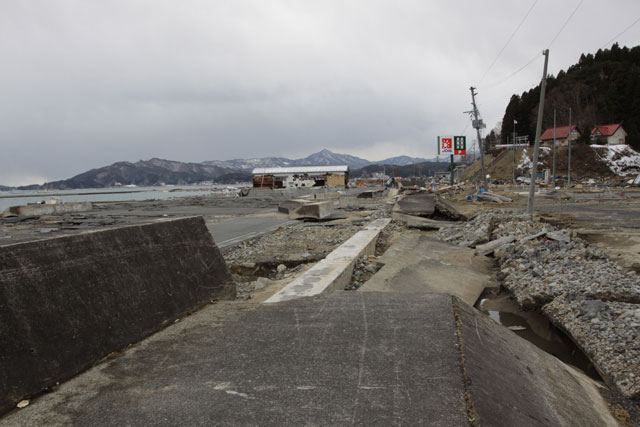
[577, 285]
[365, 267]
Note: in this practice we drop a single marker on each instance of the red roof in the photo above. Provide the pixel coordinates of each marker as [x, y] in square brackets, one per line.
[606, 130]
[562, 132]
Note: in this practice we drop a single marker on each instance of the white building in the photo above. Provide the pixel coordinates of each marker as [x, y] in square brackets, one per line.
[301, 177]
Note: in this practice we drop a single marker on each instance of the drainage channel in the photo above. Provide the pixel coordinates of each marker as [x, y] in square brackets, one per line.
[501, 306]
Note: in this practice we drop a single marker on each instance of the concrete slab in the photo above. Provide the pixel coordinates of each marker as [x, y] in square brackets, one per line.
[420, 223]
[445, 207]
[345, 358]
[417, 262]
[342, 359]
[333, 272]
[511, 382]
[416, 204]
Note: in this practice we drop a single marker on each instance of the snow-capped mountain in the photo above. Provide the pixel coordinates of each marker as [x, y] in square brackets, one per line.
[246, 164]
[329, 158]
[321, 158]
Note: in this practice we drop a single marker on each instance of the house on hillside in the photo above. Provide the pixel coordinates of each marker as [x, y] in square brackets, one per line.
[562, 136]
[609, 134]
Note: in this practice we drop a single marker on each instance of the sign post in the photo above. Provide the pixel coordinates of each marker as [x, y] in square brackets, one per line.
[452, 145]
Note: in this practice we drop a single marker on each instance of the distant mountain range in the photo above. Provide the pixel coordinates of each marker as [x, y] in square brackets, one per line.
[321, 158]
[160, 172]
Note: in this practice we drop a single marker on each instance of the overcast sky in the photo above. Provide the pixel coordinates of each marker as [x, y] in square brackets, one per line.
[87, 83]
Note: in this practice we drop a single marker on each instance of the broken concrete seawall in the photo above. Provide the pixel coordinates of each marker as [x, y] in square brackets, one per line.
[70, 301]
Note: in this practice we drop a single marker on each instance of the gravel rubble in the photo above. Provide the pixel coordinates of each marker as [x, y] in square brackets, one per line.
[366, 266]
[574, 283]
[608, 332]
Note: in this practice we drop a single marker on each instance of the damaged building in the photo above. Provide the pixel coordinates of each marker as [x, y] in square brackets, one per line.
[303, 176]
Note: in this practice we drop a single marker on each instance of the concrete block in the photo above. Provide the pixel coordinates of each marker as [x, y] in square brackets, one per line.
[288, 206]
[315, 210]
[67, 302]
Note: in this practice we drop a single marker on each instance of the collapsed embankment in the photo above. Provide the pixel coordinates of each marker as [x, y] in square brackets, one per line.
[580, 289]
[67, 302]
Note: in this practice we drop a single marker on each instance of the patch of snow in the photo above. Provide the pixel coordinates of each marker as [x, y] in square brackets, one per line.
[621, 159]
[525, 161]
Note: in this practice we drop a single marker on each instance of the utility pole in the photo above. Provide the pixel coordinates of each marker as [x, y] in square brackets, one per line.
[536, 147]
[477, 124]
[553, 171]
[569, 144]
[513, 169]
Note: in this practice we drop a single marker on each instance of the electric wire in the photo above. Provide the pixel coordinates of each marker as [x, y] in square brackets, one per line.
[503, 80]
[507, 43]
[606, 45]
[532, 60]
[565, 23]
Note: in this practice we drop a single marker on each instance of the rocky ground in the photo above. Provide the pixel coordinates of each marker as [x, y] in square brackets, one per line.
[576, 284]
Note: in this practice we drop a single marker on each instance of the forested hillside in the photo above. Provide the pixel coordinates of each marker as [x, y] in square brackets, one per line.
[600, 89]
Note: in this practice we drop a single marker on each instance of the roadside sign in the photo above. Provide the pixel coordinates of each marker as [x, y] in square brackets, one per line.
[445, 145]
[460, 145]
[452, 145]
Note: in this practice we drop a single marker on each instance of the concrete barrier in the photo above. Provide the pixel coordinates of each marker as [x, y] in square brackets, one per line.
[69, 301]
[333, 272]
[47, 209]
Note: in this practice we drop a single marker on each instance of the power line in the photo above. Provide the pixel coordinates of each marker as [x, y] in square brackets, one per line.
[508, 41]
[532, 60]
[565, 23]
[465, 129]
[624, 31]
[501, 81]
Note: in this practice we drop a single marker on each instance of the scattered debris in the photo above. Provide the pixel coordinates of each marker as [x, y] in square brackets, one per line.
[577, 285]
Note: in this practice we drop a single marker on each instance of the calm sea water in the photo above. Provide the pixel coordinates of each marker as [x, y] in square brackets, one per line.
[19, 197]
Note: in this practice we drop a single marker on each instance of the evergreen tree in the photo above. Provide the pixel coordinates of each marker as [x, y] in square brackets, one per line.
[600, 89]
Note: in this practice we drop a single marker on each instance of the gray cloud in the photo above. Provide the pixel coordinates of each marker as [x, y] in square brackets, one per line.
[88, 83]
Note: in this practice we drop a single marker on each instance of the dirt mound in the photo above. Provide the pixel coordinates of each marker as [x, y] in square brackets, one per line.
[585, 163]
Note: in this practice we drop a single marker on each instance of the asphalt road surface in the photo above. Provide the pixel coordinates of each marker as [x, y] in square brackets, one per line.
[236, 230]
